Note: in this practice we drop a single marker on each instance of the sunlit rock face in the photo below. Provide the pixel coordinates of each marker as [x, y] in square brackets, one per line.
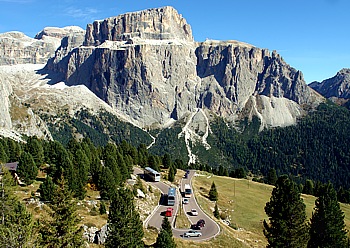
[146, 65]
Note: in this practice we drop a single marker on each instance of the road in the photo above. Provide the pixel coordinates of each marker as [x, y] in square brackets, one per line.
[211, 228]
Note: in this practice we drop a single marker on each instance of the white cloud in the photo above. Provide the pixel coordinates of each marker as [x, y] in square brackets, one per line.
[86, 13]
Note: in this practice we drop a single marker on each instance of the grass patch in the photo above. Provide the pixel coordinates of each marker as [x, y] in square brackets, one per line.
[181, 219]
[242, 202]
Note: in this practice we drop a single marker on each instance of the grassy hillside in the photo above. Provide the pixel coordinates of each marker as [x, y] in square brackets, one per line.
[242, 202]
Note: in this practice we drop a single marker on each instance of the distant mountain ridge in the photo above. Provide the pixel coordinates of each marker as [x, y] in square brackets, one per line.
[337, 86]
[147, 66]
[149, 70]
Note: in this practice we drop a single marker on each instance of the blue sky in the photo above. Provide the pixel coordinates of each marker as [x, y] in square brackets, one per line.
[311, 35]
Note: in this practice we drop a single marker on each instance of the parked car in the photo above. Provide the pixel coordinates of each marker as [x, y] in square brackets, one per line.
[185, 201]
[194, 212]
[192, 233]
[200, 223]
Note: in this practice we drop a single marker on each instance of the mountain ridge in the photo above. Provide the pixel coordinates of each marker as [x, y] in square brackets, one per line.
[146, 66]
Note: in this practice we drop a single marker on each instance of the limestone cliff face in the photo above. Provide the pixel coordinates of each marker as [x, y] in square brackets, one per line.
[235, 76]
[337, 86]
[156, 24]
[5, 92]
[147, 66]
[149, 83]
[17, 48]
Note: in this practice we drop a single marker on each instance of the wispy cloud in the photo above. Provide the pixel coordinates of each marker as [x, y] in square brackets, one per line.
[86, 13]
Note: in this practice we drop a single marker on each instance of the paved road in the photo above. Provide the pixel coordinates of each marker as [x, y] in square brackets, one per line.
[211, 228]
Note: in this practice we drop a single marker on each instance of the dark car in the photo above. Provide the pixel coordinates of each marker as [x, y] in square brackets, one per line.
[200, 223]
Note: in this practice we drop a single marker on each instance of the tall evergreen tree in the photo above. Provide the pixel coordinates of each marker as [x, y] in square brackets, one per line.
[124, 224]
[216, 211]
[82, 167]
[106, 184]
[327, 223]
[14, 150]
[165, 237]
[16, 223]
[213, 194]
[3, 155]
[287, 225]
[27, 170]
[62, 229]
[171, 173]
[47, 190]
[35, 148]
[166, 161]
[271, 176]
[111, 163]
[308, 187]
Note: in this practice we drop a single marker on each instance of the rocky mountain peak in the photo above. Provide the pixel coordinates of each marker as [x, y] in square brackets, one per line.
[59, 33]
[337, 86]
[154, 24]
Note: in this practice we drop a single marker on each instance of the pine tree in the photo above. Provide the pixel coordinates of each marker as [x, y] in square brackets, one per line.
[171, 173]
[216, 211]
[309, 187]
[27, 170]
[287, 218]
[213, 194]
[327, 223]
[166, 161]
[16, 223]
[111, 163]
[106, 184]
[165, 237]
[62, 229]
[47, 189]
[35, 148]
[271, 177]
[82, 167]
[124, 224]
[3, 155]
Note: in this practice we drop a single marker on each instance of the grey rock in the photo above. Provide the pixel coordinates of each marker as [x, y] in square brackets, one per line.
[159, 23]
[17, 48]
[5, 92]
[89, 233]
[337, 86]
[101, 235]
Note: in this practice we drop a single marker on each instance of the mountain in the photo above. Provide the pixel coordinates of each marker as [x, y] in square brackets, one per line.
[146, 69]
[146, 65]
[336, 88]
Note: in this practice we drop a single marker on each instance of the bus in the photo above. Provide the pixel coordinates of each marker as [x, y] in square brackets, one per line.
[171, 196]
[151, 174]
[188, 190]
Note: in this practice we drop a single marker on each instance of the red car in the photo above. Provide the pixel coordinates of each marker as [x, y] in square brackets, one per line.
[169, 212]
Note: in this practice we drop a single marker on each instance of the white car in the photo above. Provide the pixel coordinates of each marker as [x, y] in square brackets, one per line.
[192, 233]
[185, 201]
[194, 212]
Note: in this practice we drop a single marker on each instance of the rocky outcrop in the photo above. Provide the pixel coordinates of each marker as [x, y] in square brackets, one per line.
[17, 48]
[337, 86]
[151, 83]
[155, 24]
[5, 92]
[146, 66]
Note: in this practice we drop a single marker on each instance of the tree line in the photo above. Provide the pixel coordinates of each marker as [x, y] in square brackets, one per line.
[315, 149]
[288, 226]
[70, 170]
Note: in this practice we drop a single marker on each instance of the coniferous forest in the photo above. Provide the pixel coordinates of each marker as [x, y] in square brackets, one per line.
[313, 154]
